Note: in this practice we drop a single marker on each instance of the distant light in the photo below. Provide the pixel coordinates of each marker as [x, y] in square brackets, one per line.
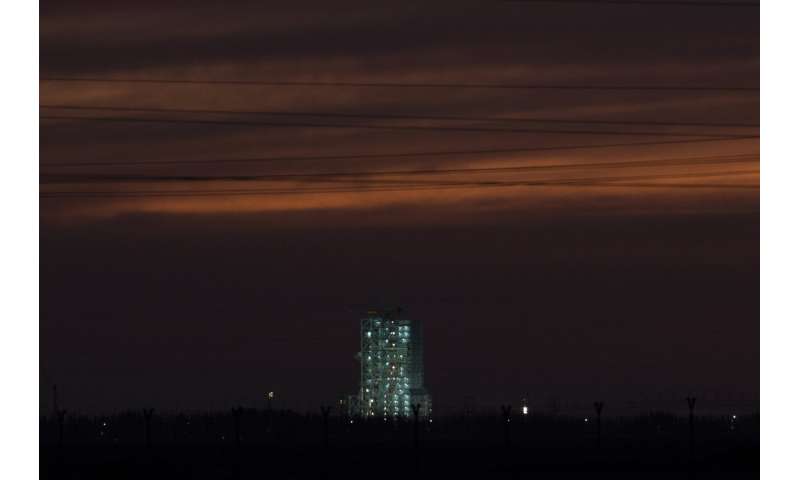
[525, 410]
[734, 417]
[271, 395]
[585, 419]
[351, 421]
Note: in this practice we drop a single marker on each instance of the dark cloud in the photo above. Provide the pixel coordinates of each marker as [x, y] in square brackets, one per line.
[380, 40]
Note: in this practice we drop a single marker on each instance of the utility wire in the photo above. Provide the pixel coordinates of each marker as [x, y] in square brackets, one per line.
[254, 123]
[394, 116]
[664, 162]
[655, 3]
[177, 81]
[434, 153]
[427, 186]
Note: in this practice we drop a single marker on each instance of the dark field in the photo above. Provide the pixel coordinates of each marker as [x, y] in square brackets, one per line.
[289, 445]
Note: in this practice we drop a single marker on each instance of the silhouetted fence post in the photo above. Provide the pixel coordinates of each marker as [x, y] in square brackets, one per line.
[691, 402]
[326, 412]
[506, 424]
[598, 408]
[148, 417]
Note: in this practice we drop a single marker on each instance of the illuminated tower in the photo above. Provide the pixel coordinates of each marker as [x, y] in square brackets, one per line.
[392, 371]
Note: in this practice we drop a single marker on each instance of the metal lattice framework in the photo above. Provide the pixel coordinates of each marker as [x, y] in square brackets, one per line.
[391, 366]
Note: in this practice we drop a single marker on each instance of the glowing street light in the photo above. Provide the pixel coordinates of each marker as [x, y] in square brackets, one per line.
[270, 396]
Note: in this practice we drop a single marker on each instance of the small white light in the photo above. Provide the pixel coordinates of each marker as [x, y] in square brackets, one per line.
[585, 419]
[524, 410]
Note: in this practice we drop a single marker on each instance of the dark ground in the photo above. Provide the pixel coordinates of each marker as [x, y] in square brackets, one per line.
[296, 446]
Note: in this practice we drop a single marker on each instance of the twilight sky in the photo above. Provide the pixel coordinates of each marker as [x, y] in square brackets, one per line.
[240, 259]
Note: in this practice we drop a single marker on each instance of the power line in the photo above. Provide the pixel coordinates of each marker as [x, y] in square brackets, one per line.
[664, 162]
[250, 123]
[676, 3]
[176, 81]
[405, 117]
[434, 153]
[590, 181]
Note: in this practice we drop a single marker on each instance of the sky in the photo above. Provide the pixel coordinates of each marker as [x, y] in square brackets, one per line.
[543, 260]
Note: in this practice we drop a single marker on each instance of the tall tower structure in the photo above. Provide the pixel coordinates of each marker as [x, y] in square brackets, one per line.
[392, 367]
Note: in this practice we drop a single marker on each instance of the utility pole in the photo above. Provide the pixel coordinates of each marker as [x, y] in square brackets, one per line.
[691, 402]
[506, 424]
[417, 460]
[59, 416]
[55, 400]
[270, 395]
[148, 417]
[598, 408]
[326, 412]
[237, 419]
